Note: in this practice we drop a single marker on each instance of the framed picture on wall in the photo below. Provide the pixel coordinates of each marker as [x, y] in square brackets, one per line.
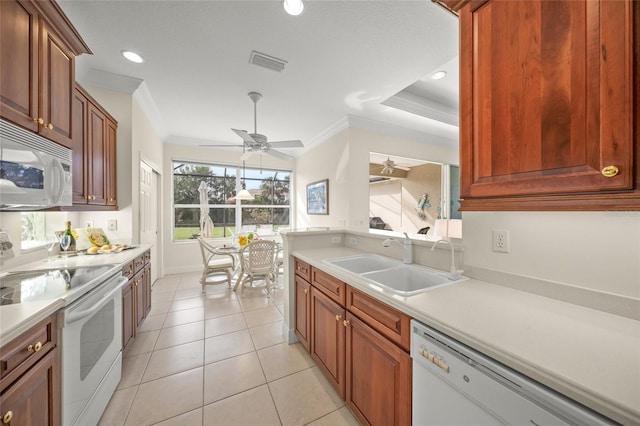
[318, 197]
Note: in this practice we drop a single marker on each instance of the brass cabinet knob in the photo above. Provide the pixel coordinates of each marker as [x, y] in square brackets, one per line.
[345, 323]
[39, 120]
[34, 348]
[338, 317]
[306, 290]
[6, 419]
[610, 171]
[112, 199]
[49, 126]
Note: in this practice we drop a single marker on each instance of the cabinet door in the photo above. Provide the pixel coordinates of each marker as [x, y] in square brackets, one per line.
[19, 59]
[35, 398]
[378, 377]
[303, 311]
[111, 164]
[147, 289]
[80, 148]
[128, 326]
[139, 298]
[58, 80]
[327, 338]
[546, 100]
[97, 122]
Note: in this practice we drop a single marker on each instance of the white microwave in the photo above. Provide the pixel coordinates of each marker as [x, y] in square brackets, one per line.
[35, 173]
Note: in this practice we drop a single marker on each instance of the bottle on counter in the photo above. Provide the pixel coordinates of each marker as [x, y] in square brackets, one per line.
[67, 241]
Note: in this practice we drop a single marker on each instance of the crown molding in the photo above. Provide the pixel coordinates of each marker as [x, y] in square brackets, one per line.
[144, 98]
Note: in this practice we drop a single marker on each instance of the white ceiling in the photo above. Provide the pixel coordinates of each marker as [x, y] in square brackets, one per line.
[344, 59]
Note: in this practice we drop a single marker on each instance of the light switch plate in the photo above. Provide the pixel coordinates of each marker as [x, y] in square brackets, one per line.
[112, 225]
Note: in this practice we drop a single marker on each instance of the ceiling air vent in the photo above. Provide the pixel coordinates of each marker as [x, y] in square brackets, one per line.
[267, 61]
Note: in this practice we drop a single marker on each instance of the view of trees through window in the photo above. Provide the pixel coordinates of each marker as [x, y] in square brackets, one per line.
[269, 210]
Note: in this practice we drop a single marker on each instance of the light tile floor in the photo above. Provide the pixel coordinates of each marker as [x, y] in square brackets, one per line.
[216, 358]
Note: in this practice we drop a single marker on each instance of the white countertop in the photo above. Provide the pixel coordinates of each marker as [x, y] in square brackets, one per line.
[18, 318]
[591, 356]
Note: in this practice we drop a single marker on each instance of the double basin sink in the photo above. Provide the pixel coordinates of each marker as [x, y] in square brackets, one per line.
[393, 275]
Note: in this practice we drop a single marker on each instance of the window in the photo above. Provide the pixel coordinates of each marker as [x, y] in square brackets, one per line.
[33, 227]
[270, 210]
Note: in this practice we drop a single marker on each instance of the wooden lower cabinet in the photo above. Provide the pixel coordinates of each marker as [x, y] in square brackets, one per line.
[363, 349]
[378, 377]
[303, 311]
[328, 338]
[136, 296]
[30, 377]
[35, 398]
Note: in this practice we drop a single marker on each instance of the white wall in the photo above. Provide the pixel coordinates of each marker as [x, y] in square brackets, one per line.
[593, 250]
[184, 256]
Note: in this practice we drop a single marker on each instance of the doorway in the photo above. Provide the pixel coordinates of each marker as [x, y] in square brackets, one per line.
[150, 211]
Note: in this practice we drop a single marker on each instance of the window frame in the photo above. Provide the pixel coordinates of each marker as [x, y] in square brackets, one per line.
[238, 205]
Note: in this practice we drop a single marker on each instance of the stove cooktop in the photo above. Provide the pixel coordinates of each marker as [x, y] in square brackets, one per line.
[27, 286]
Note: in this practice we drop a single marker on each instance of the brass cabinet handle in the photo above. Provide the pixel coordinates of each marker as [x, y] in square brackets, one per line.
[610, 171]
[345, 323]
[49, 126]
[39, 120]
[306, 290]
[34, 348]
[6, 419]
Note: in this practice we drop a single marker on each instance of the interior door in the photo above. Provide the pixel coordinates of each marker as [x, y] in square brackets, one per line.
[149, 211]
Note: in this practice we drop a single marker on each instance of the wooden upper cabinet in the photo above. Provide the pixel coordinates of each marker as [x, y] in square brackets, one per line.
[37, 53]
[94, 153]
[548, 105]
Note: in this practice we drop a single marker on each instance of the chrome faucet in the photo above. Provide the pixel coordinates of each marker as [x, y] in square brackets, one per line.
[454, 274]
[407, 247]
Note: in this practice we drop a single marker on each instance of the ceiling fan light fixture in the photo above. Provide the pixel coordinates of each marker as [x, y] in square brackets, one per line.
[293, 7]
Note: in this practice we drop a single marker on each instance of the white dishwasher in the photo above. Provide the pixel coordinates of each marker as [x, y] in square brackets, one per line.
[456, 385]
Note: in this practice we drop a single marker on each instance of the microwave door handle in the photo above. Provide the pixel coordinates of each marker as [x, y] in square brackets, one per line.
[60, 181]
[74, 316]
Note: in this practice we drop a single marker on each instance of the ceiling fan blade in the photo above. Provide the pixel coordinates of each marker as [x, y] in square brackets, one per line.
[245, 136]
[222, 145]
[287, 144]
[278, 154]
[247, 155]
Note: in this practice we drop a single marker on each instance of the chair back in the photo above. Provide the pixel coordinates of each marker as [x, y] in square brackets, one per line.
[258, 256]
[206, 249]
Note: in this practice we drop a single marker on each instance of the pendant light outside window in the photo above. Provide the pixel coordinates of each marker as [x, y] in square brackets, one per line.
[293, 7]
[243, 194]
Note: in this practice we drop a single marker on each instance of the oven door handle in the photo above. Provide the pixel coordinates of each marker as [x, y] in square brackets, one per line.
[74, 316]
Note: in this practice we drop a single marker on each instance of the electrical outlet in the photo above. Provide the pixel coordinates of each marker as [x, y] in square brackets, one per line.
[336, 240]
[112, 225]
[353, 241]
[500, 241]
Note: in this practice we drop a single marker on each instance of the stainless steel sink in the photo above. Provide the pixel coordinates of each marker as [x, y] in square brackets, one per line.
[393, 275]
[364, 263]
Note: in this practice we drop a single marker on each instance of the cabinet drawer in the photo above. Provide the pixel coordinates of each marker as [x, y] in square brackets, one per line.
[128, 270]
[138, 262]
[303, 269]
[27, 349]
[388, 321]
[332, 287]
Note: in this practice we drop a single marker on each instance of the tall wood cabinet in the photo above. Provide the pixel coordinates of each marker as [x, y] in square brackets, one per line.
[38, 52]
[94, 153]
[360, 344]
[549, 100]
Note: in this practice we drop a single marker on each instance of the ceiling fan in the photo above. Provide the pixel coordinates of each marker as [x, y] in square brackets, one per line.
[388, 166]
[255, 142]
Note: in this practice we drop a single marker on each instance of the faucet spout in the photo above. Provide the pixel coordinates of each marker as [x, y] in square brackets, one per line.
[407, 247]
[454, 273]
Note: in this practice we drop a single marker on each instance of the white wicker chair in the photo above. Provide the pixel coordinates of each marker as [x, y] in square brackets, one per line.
[216, 264]
[257, 261]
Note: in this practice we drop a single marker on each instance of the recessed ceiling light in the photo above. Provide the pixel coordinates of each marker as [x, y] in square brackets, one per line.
[293, 7]
[132, 56]
[439, 75]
